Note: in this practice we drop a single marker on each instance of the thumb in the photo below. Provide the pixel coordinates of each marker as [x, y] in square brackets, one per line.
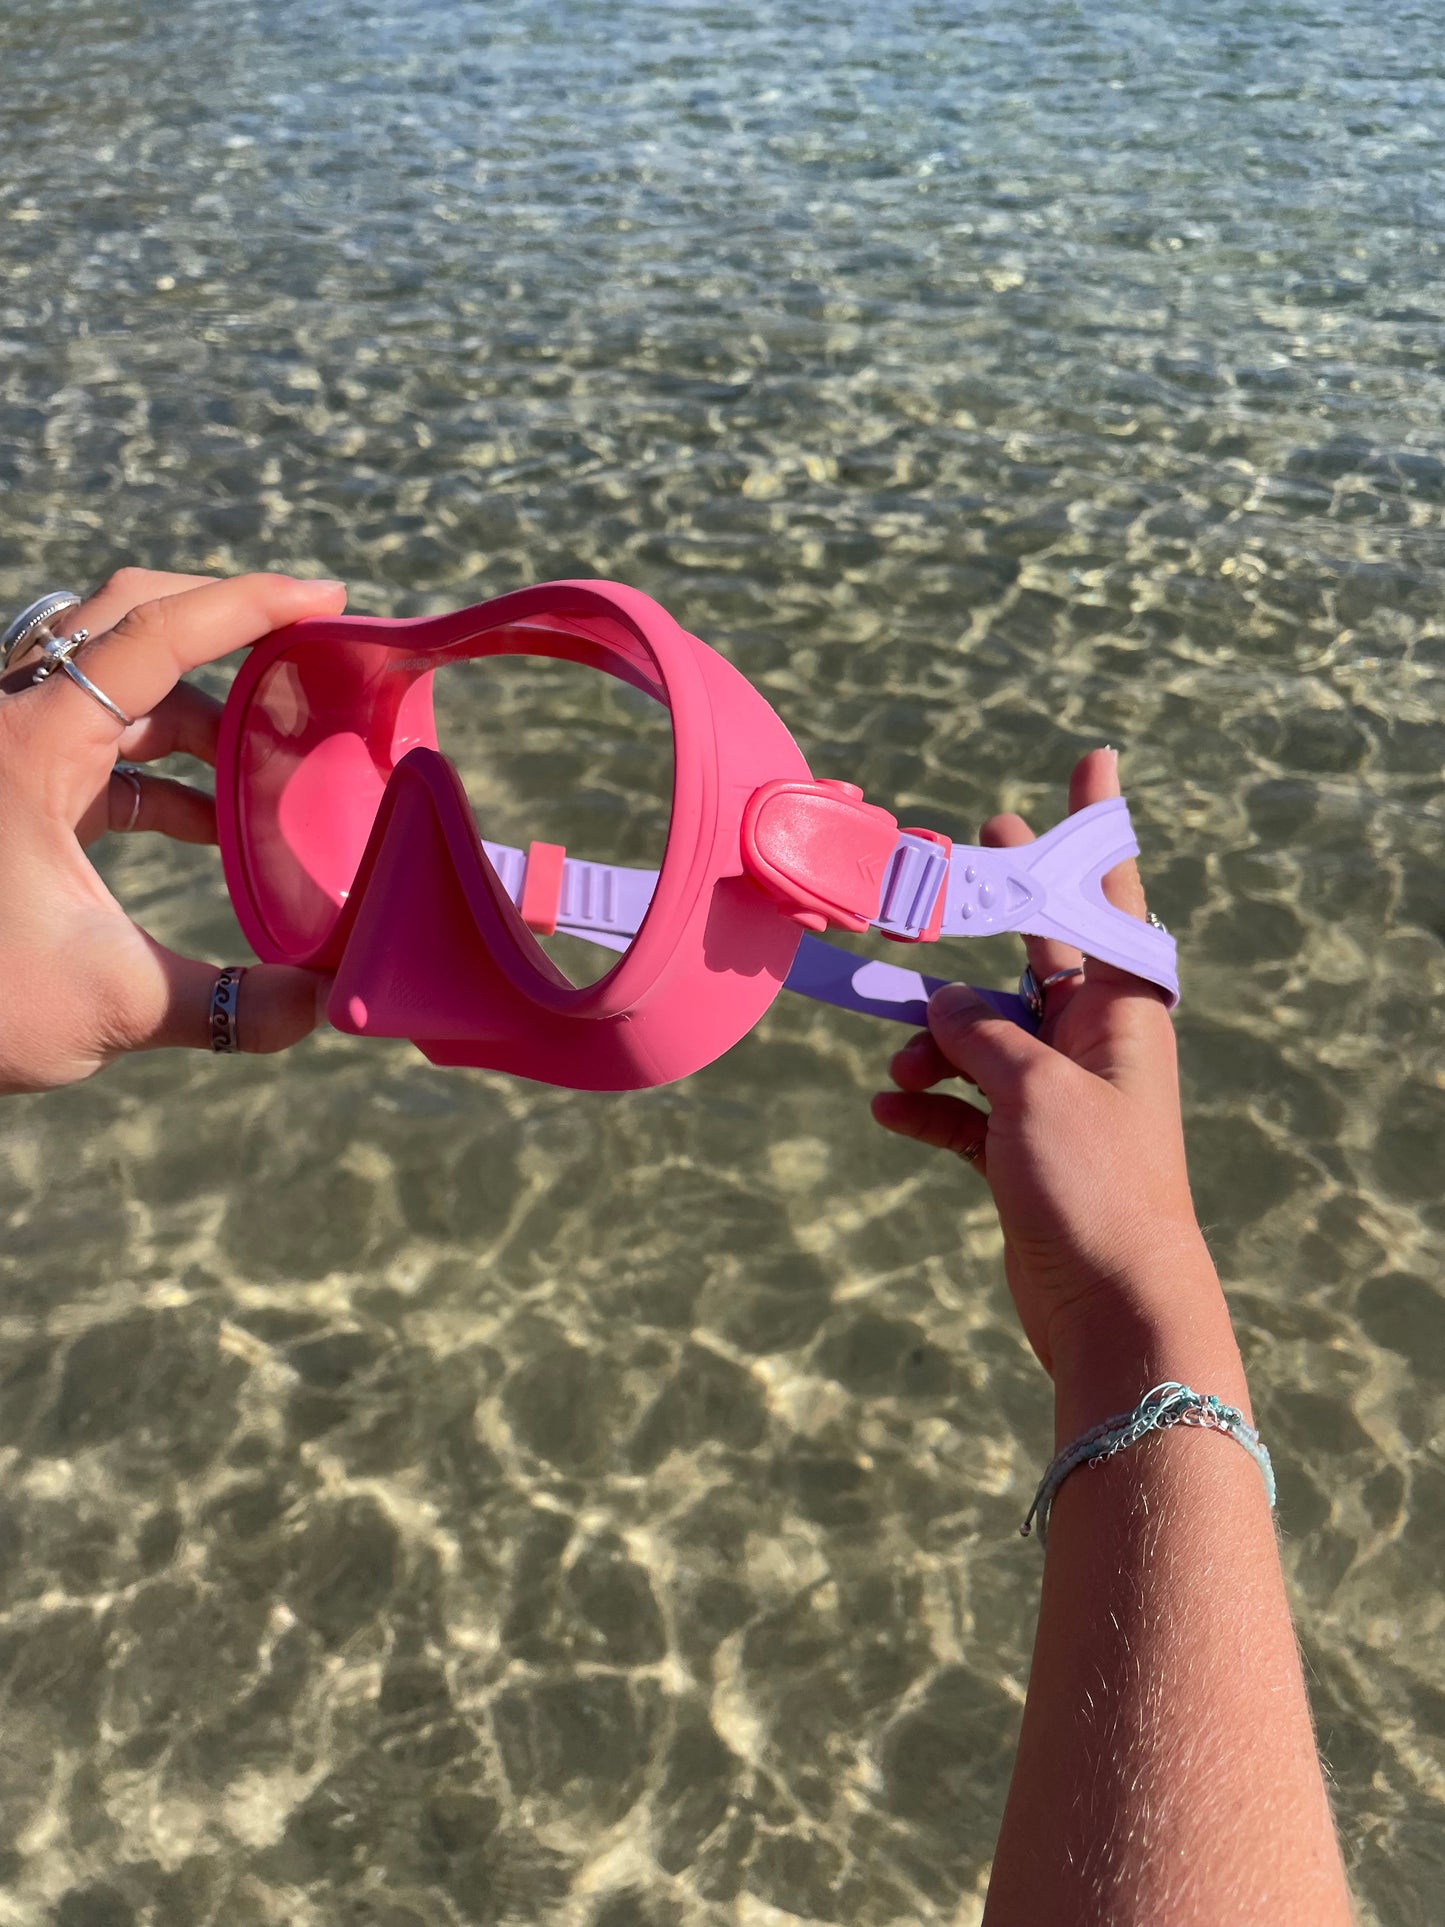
[992, 1052]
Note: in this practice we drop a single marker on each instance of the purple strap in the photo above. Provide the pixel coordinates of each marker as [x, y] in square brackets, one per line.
[834, 976]
[1052, 887]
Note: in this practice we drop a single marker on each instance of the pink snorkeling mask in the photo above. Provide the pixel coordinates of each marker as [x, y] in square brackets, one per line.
[350, 848]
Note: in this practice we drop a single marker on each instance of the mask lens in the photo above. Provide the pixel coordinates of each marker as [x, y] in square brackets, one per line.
[549, 750]
[558, 753]
[325, 727]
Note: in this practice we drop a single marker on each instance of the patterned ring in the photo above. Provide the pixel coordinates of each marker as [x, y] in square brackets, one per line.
[225, 995]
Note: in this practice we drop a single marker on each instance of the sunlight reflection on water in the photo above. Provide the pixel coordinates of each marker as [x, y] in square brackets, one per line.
[450, 1499]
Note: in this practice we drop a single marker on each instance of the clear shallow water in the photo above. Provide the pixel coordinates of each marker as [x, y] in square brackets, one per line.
[431, 1499]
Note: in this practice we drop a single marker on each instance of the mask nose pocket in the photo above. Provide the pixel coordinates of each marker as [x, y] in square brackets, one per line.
[432, 946]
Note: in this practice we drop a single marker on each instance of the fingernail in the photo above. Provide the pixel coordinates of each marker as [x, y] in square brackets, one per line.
[323, 582]
[955, 1000]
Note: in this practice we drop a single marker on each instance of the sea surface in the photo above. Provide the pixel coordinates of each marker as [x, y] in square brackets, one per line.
[431, 1498]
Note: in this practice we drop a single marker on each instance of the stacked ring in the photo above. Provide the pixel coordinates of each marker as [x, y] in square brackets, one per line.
[128, 773]
[33, 628]
[1031, 989]
[33, 625]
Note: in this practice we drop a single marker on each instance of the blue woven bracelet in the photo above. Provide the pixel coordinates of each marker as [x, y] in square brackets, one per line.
[1167, 1405]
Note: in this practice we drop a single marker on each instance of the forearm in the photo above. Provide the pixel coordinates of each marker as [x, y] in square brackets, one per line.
[1166, 1768]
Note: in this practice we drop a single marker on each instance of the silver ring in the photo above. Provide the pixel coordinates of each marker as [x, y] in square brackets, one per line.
[973, 1152]
[32, 625]
[57, 652]
[84, 682]
[128, 773]
[1158, 922]
[225, 995]
[1032, 991]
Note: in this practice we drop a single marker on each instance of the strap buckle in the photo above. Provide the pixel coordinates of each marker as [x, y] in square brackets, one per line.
[819, 849]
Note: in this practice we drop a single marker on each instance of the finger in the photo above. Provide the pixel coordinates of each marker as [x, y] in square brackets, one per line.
[989, 1050]
[139, 661]
[1135, 1010]
[948, 1123]
[137, 801]
[169, 1005]
[1095, 780]
[124, 591]
[1045, 954]
[921, 1064]
[185, 723]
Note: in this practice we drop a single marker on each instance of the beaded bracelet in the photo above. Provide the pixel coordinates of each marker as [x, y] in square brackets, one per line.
[1166, 1405]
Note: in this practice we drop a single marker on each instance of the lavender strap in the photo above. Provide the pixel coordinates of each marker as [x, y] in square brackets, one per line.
[605, 903]
[1052, 887]
[596, 897]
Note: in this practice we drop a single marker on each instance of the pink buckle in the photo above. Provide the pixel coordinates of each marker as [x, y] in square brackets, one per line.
[930, 931]
[819, 849]
[542, 887]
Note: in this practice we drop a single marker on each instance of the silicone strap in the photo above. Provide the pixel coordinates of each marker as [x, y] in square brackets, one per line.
[832, 976]
[605, 903]
[595, 897]
[1052, 887]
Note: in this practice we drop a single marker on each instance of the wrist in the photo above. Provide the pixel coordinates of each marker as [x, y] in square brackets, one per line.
[1169, 1323]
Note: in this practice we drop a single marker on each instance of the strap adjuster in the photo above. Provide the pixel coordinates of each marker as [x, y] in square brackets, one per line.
[542, 887]
[911, 909]
[819, 849]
